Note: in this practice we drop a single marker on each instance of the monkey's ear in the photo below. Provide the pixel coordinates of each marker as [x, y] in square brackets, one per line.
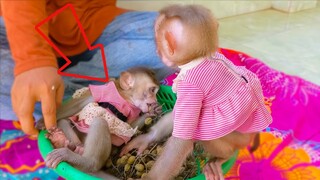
[172, 45]
[126, 80]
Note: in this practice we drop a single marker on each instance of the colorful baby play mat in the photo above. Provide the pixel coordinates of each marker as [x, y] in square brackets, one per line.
[290, 147]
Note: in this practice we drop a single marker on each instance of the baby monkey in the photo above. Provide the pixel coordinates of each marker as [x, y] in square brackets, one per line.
[218, 104]
[103, 115]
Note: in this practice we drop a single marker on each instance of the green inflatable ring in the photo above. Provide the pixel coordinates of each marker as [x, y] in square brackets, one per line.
[66, 171]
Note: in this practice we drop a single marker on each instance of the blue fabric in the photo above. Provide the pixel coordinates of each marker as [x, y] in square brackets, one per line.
[128, 41]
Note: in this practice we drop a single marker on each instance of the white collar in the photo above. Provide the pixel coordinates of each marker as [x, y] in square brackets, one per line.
[191, 64]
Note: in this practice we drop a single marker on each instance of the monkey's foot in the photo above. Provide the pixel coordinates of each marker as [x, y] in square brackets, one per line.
[57, 137]
[56, 156]
[76, 148]
[213, 170]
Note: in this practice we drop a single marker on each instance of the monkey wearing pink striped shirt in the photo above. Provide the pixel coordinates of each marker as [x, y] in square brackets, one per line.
[218, 104]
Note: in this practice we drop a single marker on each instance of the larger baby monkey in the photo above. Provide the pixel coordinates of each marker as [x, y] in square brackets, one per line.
[218, 104]
[102, 115]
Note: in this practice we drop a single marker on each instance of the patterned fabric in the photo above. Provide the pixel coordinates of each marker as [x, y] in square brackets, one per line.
[289, 149]
[106, 93]
[215, 98]
[20, 158]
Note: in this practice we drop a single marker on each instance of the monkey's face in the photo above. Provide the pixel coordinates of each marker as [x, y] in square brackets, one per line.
[145, 93]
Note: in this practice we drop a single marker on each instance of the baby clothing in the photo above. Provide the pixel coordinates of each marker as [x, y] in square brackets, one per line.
[215, 98]
[109, 105]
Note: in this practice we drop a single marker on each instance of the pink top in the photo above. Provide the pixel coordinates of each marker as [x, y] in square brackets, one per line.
[213, 100]
[121, 132]
[109, 93]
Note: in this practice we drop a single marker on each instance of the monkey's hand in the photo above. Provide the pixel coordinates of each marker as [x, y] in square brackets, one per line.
[40, 124]
[57, 138]
[57, 156]
[155, 109]
[213, 170]
[140, 143]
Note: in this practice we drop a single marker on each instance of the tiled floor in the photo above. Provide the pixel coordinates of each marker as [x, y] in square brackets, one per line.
[289, 42]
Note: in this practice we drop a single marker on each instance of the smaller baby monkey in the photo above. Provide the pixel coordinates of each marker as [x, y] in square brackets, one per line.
[104, 115]
[218, 104]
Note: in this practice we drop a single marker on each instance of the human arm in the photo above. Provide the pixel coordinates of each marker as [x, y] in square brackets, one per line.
[36, 77]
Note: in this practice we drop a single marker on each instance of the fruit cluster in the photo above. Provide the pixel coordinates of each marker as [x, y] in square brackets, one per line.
[135, 166]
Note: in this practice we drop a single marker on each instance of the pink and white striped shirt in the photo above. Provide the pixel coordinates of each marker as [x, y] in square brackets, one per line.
[215, 98]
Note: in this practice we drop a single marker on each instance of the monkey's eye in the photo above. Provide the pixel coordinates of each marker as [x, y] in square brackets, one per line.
[153, 90]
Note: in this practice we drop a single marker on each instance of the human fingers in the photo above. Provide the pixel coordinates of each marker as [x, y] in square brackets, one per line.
[59, 94]
[48, 106]
[24, 109]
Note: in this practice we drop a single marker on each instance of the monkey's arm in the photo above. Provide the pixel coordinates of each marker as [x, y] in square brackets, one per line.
[157, 132]
[171, 159]
[155, 110]
[139, 122]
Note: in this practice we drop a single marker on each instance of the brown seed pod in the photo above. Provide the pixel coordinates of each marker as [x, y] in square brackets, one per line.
[139, 167]
[131, 159]
[159, 149]
[123, 160]
[150, 164]
[143, 175]
[139, 174]
[127, 167]
[118, 162]
[148, 121]
[154, 152]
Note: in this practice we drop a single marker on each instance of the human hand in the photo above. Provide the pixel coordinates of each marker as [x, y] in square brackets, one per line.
[140, 143]
[41, 84]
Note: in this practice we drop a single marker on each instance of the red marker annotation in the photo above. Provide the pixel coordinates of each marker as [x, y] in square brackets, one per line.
[68, 62]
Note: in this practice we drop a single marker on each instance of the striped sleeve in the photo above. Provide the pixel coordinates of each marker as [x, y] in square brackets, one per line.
[187, 110]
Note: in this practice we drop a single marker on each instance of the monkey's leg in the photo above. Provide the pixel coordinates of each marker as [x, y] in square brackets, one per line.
[97, 149]
[223, 149]
[75, 143]
[97, 145]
